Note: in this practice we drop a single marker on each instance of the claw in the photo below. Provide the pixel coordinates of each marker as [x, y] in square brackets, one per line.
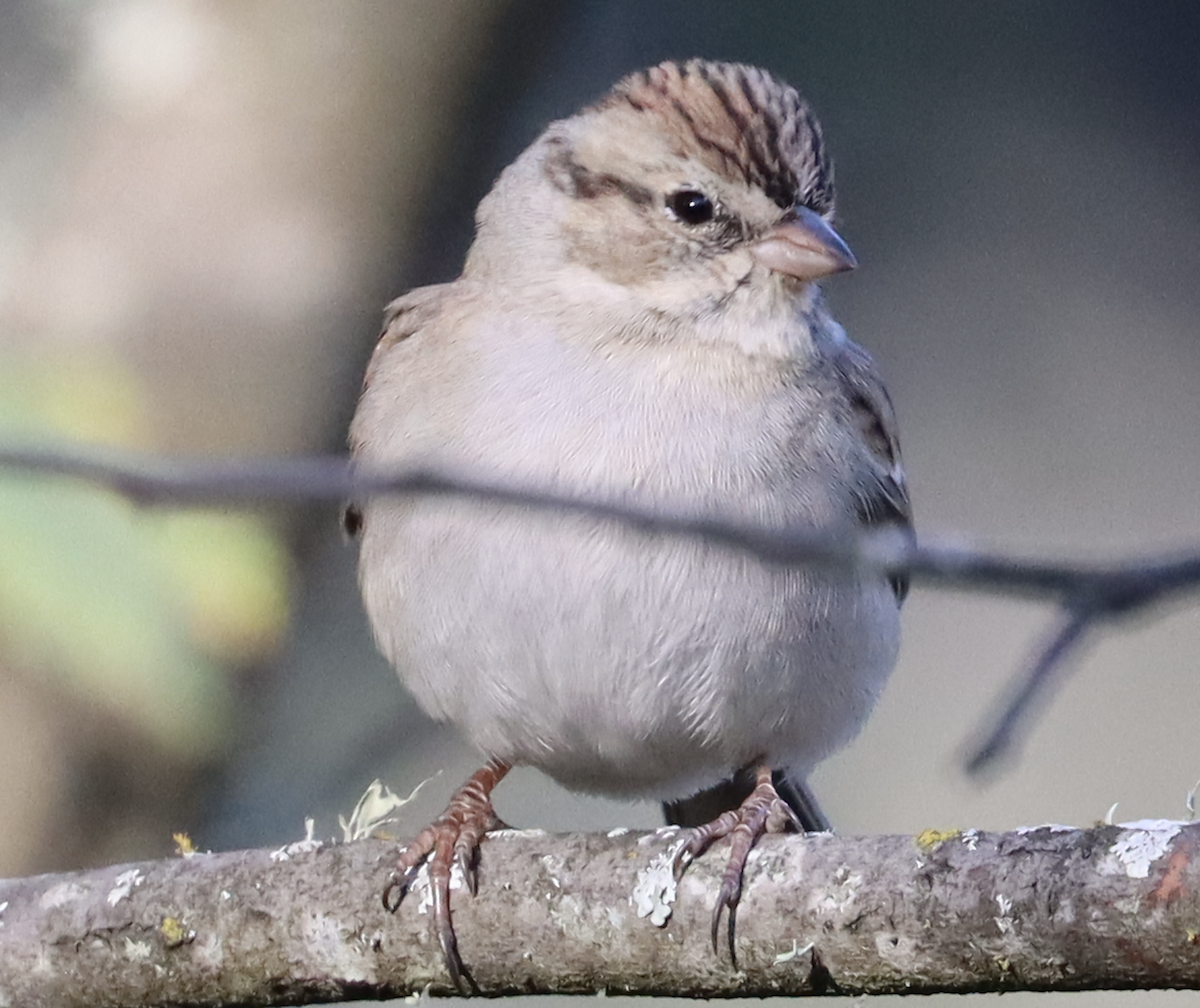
[451, 839]
[683, 858]
[402, 878]
[445, 931]
[730, 931]
[763, 811]
[716, 926]
[464, 860]
[397, 883]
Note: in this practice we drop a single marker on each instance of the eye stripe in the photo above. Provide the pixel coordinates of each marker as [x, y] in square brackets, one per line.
[571, 177]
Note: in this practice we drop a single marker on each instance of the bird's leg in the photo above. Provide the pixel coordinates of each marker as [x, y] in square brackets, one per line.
[699, 808]
[763, 811]
[452, 838]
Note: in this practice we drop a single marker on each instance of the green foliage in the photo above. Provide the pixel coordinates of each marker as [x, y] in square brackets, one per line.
[133, 611]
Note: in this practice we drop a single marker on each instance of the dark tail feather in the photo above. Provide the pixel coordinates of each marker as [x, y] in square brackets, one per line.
[803, 802]
[704, 807]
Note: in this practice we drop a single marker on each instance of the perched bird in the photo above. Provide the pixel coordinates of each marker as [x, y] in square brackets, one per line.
[638, 323]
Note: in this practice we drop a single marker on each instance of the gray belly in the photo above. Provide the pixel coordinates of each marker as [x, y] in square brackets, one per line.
[620, 662]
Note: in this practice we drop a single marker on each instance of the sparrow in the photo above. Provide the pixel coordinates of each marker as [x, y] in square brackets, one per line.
[638, 323]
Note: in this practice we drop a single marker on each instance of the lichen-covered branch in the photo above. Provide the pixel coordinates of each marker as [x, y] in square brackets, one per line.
[1045, 909]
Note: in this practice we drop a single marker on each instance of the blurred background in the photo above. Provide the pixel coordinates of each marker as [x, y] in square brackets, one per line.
[204, 206]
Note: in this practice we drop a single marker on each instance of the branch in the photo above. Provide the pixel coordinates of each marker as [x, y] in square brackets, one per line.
[1052, 908]
[1090, 595]
[1115, 588]
[1045, 670]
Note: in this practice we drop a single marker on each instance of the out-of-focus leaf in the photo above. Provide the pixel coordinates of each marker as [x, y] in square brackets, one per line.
[128, 609]
[82, 597]
[232, 572]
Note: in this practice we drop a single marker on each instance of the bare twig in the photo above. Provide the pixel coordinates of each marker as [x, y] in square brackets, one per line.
[1089, 594]
[1050, 659]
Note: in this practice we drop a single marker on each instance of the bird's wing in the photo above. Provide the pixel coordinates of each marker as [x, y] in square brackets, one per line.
[402, 318]
[882, 496]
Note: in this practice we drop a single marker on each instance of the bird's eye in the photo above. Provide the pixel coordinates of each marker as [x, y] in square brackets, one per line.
[691, 207]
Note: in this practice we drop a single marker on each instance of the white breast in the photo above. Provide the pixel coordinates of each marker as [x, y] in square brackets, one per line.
[614, 660]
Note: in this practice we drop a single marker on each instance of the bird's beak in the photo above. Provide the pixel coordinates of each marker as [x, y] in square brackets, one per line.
[804, 246]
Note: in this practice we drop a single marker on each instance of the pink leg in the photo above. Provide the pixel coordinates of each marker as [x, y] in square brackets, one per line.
[762, 812]
[452, 838]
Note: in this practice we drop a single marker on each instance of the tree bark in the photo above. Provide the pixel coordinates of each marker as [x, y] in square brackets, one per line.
[1051, 908]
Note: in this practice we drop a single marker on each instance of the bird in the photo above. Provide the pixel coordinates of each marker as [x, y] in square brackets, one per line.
[638, 323]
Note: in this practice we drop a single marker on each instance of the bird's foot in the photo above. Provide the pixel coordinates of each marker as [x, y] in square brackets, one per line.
[451, 839]
[763, 811]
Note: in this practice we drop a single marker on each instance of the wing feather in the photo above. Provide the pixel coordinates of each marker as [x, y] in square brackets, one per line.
[883, 495]
[403, 318]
